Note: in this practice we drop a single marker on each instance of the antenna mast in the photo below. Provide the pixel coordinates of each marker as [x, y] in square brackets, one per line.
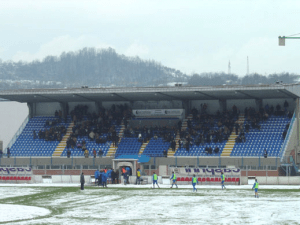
[247, 65]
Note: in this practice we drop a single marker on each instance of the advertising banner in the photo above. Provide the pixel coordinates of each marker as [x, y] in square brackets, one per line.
[157, 112]
[15, 171]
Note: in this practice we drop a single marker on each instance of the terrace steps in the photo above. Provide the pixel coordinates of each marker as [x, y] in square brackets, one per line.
[144, 145]
[231, 140]
[63, 143]
[113, 149]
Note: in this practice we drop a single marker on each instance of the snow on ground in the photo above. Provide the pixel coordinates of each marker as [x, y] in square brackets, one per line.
[20, 212]
[119, 205]
[15, 191]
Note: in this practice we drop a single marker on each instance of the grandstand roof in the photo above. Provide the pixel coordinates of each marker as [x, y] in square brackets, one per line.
[153, 93]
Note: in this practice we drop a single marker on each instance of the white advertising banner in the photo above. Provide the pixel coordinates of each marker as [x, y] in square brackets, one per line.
[157, 112]
[15, 171]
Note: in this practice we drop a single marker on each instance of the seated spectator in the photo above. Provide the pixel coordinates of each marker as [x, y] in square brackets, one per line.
[216, 150]
[83, 144]
[79, 144]
[165, 153]
[86, 153]
[179, 143]
[140, 139]
[41, 135]
[247, 127]
[173, 145]
[206, 150]
[92, 135]
[100, 152]
[265, 116]
[202, 140]
[238, 139]
[219, 123]
[187, 146]
[94, 153]
[265, 153]
[236, 126]
[243, 138]
[256, 126]
[68, 153]
[210, 150]
[98, 140]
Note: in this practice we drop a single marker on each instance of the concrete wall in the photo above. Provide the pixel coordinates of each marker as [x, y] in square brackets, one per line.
[55, 161]
[171, 161]
[47, 108]
[273, 180]
[263, 180]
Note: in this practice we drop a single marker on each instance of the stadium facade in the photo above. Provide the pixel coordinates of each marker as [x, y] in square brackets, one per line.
[164, 105]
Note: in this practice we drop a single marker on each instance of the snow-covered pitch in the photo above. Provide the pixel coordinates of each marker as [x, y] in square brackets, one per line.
[132, 204]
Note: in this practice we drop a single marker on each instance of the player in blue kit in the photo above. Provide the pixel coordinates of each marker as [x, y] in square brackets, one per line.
[155, 178]
[255, 187]
[174, 178]
[194, 182]
[222, 180]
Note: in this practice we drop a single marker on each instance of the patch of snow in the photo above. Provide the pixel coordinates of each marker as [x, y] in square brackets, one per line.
[210, 205]
[15, 191]
[10, 212]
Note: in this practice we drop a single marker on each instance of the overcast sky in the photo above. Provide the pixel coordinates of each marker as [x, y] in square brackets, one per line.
[192, 36]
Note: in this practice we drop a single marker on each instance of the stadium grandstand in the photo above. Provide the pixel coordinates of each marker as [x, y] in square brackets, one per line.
[252, 128]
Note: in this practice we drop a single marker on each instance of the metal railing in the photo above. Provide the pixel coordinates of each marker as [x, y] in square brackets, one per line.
[19, 131]
[287, 137]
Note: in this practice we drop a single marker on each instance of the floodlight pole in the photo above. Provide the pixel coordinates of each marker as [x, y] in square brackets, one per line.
[281, 39]
[281, 42]
[297, 121]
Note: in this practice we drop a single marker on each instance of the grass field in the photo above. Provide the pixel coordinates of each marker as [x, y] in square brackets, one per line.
[131, 205]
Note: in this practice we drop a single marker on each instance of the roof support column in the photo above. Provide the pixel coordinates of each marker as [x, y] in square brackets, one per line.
[298, 130]
[64, 108]
[223, 105]
[186, 105]
[30, 109]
